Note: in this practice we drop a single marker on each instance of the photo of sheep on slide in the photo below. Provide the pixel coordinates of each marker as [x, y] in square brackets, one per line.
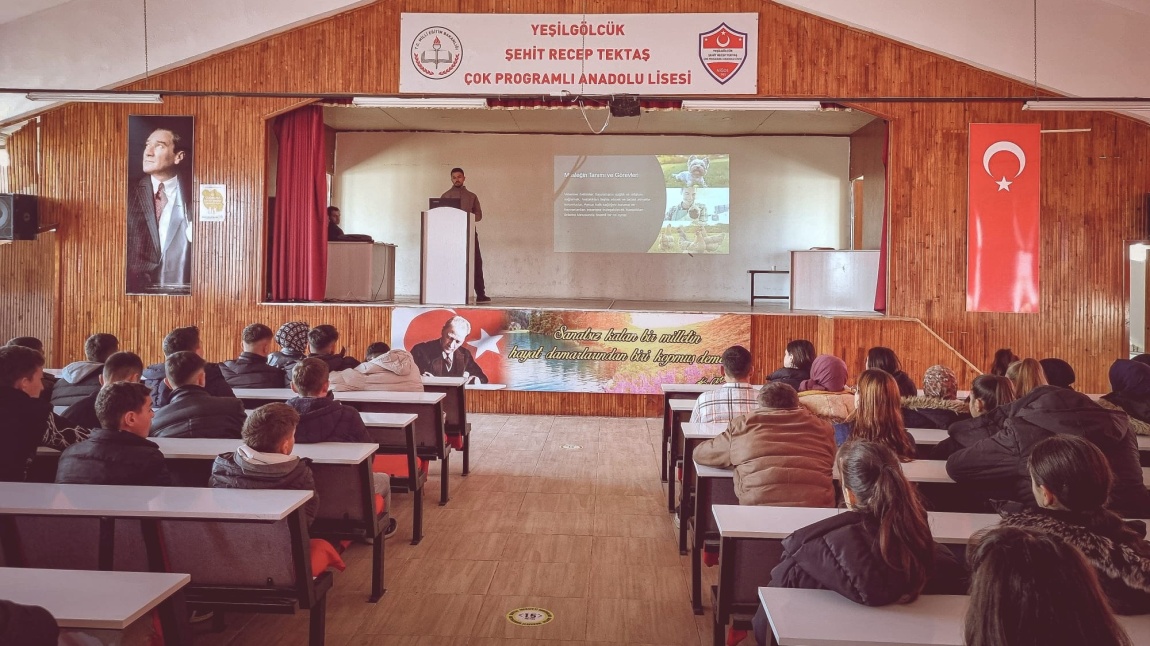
[697, 217]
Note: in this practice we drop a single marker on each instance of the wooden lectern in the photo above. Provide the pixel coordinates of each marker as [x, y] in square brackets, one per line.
[446, 257]
[360, 271]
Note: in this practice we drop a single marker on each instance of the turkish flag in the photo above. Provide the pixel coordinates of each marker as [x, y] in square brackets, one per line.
[1003, 195]
[486, 341]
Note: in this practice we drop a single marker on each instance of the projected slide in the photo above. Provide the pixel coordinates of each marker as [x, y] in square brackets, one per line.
[643, 203]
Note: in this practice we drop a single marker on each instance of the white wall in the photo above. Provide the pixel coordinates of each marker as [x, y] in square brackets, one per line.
[786, 193]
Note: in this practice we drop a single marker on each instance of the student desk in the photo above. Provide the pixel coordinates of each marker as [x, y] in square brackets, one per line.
[455, 408]
[932, 436]
[680, 413]
[84, 601]
[379, 424]
[826, 618]
[693, 435]
[673, 392]
[712, 487]
[750, 545]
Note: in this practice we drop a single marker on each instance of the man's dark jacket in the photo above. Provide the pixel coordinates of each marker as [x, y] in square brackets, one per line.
[429, 358]
[162, 394]
[113, 458]
[323, 419]
[251, 370]
[194, 412]
[25, 424]
[336, 362]
[83, 412]
[999, 461]
[77, 381]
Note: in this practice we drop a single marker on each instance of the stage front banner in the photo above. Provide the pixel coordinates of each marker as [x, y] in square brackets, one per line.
[579, 54]
[569, 350]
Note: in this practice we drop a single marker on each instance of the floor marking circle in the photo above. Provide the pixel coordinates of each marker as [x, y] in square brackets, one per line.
[530, 616]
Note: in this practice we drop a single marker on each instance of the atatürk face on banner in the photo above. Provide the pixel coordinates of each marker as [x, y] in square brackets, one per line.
[452, 338]
[160, 154]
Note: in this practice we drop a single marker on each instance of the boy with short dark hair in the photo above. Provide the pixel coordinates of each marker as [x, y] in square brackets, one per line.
[119, 452]
[321, 342]
[264, 461]
[192, 410]
[49, 380]
[121, 366]
[251, 368]
[184, 339]
[80, 379]
[28, 420]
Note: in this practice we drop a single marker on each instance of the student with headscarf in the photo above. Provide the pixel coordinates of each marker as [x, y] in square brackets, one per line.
[1130, 393]
[825, 393]
[1058, 372]
[292, 337]
[938, 406]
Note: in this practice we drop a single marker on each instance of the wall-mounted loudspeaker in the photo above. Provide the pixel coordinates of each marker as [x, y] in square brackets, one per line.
[18, 217]
[624, 106]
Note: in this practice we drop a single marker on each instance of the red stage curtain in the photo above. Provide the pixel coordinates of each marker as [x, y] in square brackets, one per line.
[880, 289]
[299, 223]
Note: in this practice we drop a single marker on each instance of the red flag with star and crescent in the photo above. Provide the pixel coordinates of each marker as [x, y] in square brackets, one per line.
[485, 342]
[1003, 193]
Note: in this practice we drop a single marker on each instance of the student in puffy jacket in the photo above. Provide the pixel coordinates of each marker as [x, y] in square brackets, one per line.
[119, 453]
[996, 466]
[825, 393]
[82, 378]
[880, 358]
[292, 337]
[183, 339]
[1026, 375]
[878, 552]
[251, 369]
[988, 393]
[797, 360]
[938, 406]
[390, 370]
[193, 411]
[1130, 392]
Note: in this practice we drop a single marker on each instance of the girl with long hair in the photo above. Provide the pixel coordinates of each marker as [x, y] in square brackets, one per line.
[1026, 375]
[797, 360]
[880, 358]
[878, 416]
[1071, 481]
[1029, 588]
[987, 393]
[1003, 357]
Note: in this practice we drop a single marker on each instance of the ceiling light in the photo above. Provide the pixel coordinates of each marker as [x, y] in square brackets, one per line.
[752, 105]
[97, 97]
[402, 102]
[1107, 105]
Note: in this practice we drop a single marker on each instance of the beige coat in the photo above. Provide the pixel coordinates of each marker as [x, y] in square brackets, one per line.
[782, 457]
[395, 371]
[832, 407]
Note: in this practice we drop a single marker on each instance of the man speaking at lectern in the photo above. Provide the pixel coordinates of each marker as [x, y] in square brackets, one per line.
[469, 202]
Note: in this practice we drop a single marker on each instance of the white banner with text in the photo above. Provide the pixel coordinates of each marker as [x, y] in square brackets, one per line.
[580, 54]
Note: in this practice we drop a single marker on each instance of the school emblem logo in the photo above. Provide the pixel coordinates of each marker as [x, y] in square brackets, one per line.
[436, 52]
[723, 51]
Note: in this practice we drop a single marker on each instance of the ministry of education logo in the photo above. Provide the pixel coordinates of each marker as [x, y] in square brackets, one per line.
[436, 52]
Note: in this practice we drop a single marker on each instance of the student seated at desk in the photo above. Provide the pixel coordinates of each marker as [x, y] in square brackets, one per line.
[1031, 589]
[988, 394]
[321, 342]
[825, 394]
[292, 337]
[82, 378]
[383, 369]
[938, 406]
[27, 625]
[192, 410]
[877, 416]
[880, 358]
[121, 366]
[28, 418]
[323, 419]
[1130, 393]
[119, 453]
[264, 461]
[251, 369]
[736, 397]
[1026, 375]
[878, 553]
[797, 360]
[782, 454]
[47, 379]
[184, 339]
[1071, 482]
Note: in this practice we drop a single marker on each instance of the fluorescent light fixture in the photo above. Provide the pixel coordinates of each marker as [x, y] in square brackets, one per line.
[765, 104]
[1072, 106]
[457, 103]
[97, 97]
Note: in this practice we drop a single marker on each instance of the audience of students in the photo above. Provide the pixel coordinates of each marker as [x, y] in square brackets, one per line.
[192, 411]
[393, 370]
[1130, 393]
[877, 416]
[782, 453]
[797, 360]
[987, 394]
[996, 465]
[880, 358]
[28, 418]
[1026, 375]
[880, 551]
[80, 379]
[184, 339]
[1058, 372]
[47, 379]
[938, 406]
[119, 452]
[121, 366]
[321, 343]
[1071, 482]
[292, 337]
[735, 397]
[1029, 588]
[251, 369]
[825, 392]
[1003, 357]
[265, 459]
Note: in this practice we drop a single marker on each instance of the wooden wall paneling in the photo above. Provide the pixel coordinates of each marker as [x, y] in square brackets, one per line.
[1091, 186]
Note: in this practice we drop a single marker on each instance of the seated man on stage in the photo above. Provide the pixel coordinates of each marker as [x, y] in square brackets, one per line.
[336, 234]
[446, 356]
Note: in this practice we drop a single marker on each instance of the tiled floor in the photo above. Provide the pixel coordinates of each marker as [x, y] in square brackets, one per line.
[582, 532]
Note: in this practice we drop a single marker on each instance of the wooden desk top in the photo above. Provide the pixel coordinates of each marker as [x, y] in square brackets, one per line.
[388, 420]
[682, 405]
[81, 599]
[825, 618]
[738, 521]
[687, 388]
[178, 503]
[703, 431]
[932, 436]
[197, 448]
[704, 471]
[381, 396]
[454, 382]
